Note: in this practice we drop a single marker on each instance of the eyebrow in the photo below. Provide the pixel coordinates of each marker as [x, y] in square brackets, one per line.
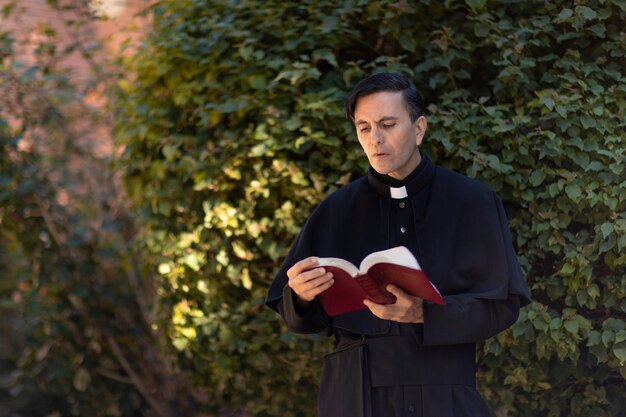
[382, 119]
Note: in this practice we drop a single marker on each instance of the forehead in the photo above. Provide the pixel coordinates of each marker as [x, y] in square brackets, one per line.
[382, 104]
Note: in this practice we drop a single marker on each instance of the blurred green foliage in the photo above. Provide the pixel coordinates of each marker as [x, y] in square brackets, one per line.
[232, 131]
[77, 303]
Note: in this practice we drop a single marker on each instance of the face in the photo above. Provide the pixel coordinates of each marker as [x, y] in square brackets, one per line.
[388, 137]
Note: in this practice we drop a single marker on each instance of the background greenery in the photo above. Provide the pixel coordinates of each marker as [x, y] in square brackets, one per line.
[229, 123]
[78, 303]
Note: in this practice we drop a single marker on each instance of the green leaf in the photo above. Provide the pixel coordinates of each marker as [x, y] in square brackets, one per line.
[613, 325]
[583, 323]
[606, 229]
[180, 343]
[586, 12]
[607, 244]
[562, 111]
[594, 338]
[598, 30]
[573, 191]
[619, 350]
[565, 14]
[540, 323]
[548, 102]
[326, 55]
[587, 121]
[407, 41]
[595, 166]
[607, 337]
[258, 82]
[537, 177]
[582, 159]
[171, 152]
[476, 5]
[494, 162]
[567, 269]
[571, 326]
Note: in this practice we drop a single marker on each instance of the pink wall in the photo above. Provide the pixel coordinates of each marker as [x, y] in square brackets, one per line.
[31, 16]
[27, 24]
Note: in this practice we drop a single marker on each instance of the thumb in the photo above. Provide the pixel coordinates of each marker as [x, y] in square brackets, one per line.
[395, 291]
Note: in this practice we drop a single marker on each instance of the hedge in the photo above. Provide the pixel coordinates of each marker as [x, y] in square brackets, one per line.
[232, 132]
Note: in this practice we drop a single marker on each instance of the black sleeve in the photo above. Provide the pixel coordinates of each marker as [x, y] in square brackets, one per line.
[498, 289]
[465, 319]
[313, 319]
[281, 298]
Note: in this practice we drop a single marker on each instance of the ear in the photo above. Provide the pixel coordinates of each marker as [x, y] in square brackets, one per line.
[421, 124]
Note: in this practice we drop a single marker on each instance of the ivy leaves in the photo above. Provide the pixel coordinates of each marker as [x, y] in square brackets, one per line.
[233, 131]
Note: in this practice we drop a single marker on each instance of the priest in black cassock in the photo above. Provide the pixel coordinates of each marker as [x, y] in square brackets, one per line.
[410, 358]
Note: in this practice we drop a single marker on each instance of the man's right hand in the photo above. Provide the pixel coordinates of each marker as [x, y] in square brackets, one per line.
[307, 281]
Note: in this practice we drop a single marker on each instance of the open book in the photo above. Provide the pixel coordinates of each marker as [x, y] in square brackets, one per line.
[352, 285]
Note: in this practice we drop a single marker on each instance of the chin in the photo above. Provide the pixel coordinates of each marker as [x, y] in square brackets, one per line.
[376, 167]
[379, 165]
[381, 170]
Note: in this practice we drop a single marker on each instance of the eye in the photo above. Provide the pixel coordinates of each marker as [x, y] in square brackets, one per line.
[388, 126]
[364, 129]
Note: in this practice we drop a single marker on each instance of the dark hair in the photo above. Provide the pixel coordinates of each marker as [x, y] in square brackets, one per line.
[387, 81]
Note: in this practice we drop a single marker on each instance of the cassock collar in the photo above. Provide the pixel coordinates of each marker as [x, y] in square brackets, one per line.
[414, 182]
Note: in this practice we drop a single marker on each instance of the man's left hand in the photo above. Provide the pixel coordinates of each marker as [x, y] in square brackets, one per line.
[406, 309]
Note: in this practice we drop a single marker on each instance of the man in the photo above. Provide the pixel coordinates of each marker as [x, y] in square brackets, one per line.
[410, 358]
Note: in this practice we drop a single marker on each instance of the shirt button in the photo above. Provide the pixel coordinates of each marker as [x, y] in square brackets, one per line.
[403, 229]
[401, 204]
[411, 408]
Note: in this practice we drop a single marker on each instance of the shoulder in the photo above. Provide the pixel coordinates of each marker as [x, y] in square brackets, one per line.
[461, 189]
[459, 182]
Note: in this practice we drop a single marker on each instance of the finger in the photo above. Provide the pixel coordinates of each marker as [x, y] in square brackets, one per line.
[377, 309]
[386, 311]
[395, 290]
[399, 313]
[314, 281]
[312, 288]
[320, 287]
[302, 265]
[311, 274]
[402, 296]
[301, 285]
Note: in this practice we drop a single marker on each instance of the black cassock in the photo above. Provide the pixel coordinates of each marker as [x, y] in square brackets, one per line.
[457, 229]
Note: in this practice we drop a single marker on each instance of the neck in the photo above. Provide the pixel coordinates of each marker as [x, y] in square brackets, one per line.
[394, 181]
[414, 162]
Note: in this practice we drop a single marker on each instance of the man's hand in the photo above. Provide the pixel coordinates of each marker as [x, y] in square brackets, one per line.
[406, 309]
[307, 282]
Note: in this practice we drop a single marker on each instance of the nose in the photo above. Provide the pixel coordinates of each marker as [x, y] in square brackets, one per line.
[377, 135]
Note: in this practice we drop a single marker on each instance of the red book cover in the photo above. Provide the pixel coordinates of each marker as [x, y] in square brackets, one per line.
[352, 285]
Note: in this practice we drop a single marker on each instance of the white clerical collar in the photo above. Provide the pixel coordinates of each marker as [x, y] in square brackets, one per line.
[398, 193]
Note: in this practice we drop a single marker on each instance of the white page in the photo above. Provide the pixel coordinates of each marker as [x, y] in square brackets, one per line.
[399, 255]
[340, 263]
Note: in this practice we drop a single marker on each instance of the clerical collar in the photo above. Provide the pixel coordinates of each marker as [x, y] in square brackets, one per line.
[399, 189]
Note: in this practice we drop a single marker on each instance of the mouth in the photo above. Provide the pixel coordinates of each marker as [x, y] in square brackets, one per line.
[379, 154]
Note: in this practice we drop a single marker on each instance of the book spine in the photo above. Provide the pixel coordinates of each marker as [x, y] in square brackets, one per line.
[374, 291]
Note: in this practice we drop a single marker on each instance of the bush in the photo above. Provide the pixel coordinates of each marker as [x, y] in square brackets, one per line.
[232, 131]
[76, 301]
